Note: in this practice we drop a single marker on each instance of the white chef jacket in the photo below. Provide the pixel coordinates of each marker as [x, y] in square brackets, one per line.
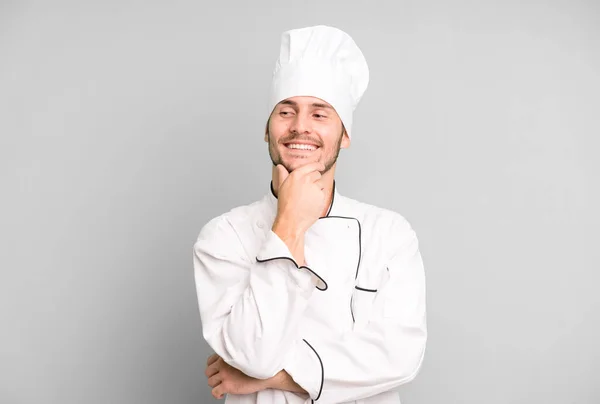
[349, 326]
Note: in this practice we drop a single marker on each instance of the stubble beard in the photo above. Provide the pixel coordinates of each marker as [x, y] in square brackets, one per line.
[276, 156]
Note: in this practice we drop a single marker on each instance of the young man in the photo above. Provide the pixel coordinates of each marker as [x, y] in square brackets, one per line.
[306, 295]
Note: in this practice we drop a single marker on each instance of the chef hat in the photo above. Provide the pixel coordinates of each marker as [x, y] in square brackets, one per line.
[322, 62]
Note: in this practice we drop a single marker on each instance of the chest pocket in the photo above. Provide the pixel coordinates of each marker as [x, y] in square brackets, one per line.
[363, 299]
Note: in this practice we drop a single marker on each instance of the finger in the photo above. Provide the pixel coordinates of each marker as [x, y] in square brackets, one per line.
[313, 176]
[211, 359]
[215, 380]
[282, 174]
[213, 368]
[211, 371]
[218, 391]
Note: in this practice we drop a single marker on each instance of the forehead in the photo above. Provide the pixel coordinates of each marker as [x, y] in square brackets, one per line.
[305, 101]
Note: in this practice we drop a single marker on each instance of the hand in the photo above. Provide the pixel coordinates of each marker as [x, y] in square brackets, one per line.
[225, 379]
[301, 198]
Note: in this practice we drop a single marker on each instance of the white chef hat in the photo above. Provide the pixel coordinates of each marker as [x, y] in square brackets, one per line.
[322, 62]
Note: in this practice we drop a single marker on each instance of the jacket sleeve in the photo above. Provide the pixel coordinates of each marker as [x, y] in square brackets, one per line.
[385, 353]
[249, 308]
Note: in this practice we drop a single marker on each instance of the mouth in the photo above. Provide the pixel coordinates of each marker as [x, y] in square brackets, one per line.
[300, 147]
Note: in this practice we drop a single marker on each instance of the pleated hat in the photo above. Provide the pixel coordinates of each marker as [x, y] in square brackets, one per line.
[322, 62]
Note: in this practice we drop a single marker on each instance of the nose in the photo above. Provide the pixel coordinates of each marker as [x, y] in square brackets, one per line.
[301, 124]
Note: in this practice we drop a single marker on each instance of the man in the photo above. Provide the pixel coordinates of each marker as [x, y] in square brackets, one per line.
[306, 295]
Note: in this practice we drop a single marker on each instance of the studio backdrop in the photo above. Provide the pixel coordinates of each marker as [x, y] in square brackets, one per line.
[125, 126]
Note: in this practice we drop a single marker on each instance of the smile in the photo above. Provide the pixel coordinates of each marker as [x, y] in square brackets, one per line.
[297, 146]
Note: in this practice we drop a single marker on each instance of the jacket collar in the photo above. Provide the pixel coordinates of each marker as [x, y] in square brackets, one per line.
[334, 207]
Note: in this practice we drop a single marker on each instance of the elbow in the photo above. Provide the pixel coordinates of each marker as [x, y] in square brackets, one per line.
[411, 360]
[257, 362]
[414, 370]
[256, 366]
[263, 371]
[417, 359]
[253, 358]
[262, 362]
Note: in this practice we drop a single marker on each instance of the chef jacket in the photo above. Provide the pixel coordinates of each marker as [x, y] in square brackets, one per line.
[349, 326]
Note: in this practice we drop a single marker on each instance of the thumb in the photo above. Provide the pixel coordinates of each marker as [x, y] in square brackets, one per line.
[282, 174]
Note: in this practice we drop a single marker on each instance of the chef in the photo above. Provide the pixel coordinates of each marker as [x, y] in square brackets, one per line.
[307, 295]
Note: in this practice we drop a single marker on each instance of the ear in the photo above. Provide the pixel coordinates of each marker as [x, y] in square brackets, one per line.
[345, 140]
[267, 130]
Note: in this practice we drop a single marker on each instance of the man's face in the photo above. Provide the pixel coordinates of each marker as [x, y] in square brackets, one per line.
[304, 130]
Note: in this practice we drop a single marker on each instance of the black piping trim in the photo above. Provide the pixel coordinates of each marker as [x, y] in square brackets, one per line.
[332, 199]
[359, 247]
[322, 370]
[299, 267]
[365, 289]
[359, 251]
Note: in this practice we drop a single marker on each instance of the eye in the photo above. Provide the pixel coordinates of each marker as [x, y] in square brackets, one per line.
[285, 113]
[318, 116]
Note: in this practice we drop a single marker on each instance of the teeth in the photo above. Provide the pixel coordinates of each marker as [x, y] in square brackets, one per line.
[301, 146]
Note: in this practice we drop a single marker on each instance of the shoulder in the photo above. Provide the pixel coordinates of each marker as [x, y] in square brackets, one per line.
[388, 230]
[231, 225]
[384, 220]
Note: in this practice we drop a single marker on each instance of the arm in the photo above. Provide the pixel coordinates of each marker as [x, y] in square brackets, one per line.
[249, 310]
[386, 353]
[283, 381]
[225, 379]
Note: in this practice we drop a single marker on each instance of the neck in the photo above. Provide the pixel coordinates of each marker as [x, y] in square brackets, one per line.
[326, 179]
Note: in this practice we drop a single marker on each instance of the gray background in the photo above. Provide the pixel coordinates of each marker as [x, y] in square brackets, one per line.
[126, 126]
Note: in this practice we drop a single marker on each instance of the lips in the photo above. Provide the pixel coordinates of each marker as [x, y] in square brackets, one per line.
[299, 147]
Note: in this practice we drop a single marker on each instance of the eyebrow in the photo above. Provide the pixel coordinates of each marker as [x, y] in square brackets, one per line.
[314, 104]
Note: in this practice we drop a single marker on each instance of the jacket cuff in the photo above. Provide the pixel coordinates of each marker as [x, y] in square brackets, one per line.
[274, 248]
[304, 365]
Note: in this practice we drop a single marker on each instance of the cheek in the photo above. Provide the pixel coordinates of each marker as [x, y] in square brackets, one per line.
[274, 139]
[331, 137]
[277, 129]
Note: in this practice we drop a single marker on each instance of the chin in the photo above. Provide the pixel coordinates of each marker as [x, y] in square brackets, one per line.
[297, 163]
